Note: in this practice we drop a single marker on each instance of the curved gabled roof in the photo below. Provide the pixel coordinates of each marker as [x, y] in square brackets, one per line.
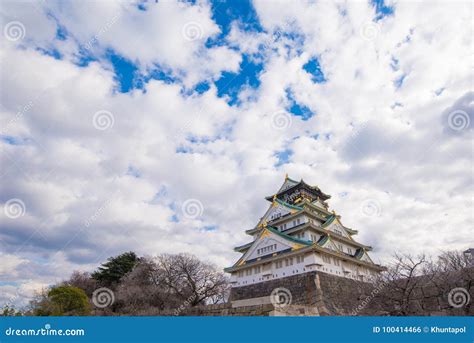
[283, 203]
[334, 217]
[302, 243]
[246, 246]
[290, 183]
[322, 240]
[291, 209]
[243, 247]
[291, 238]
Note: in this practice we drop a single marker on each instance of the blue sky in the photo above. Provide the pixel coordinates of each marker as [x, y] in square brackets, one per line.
[229, 84]
[225, 14]
[161, 126]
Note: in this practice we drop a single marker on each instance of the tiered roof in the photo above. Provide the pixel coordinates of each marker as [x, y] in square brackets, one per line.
[328, 222]
[290, 184]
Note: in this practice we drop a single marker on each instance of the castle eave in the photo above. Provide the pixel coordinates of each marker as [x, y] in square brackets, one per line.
[313, 247]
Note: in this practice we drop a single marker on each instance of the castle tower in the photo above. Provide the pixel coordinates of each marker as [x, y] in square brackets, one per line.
[299, 235]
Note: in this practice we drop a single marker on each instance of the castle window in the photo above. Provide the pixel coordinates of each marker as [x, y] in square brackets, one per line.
[257, 269]
[276, 216]
[326, 259]
[349, 250]
[279, 264]
[340, 247]
[336, 262]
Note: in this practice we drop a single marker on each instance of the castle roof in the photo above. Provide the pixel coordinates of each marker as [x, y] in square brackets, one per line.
[296, 199]
[290, 185]
[292, 243]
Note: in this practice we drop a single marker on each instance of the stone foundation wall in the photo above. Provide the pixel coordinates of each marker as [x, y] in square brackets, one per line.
[301, 286]
[332, 295]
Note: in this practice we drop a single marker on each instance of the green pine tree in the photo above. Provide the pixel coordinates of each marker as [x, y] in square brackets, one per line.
[115, 268]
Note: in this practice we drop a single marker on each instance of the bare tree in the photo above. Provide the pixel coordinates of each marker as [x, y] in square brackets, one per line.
[401, 280]
[191, 280]
[142, 291]
[82, 280]
[169, 282]
[453, 269]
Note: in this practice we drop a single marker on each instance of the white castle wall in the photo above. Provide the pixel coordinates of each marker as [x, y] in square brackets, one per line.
[309, 262]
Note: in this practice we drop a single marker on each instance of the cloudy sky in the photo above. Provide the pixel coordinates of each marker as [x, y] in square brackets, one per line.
[160, 127]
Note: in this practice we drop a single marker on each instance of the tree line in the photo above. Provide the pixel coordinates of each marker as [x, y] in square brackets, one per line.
[130, 285]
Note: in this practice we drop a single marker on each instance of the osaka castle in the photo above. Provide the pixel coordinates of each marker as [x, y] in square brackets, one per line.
[298, 234]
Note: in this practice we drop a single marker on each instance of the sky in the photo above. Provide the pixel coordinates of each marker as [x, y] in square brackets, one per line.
[159, 127]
